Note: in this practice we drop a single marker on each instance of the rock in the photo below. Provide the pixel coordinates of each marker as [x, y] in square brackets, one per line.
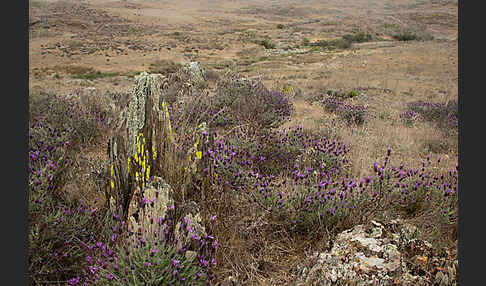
[139, 114]
[408, 232]
[190, 225]
[230, 281]
[147, 88]
[376, 254]
[186, 80]
[156, 200]
[142, 206]
[195, 70]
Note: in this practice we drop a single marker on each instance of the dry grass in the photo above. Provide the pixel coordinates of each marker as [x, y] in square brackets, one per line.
[256, 248]
[370, 142]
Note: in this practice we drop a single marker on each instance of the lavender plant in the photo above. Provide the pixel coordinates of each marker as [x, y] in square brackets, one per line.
[444, 114]
[58, 227]
[132, 257]
[236, 158]
[353, 114]
[314, 200]
[331, 103]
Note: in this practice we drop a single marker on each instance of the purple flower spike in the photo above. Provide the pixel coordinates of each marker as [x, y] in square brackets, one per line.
[74, 281]
[110, 276]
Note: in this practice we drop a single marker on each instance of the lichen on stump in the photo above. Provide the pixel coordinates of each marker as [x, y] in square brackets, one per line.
[154, 204]
[142, 115]
[145, 130]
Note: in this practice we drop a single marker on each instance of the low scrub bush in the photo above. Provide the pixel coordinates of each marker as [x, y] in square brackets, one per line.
[58, 227]
[444, 114]
[164, 67]
[69, 117]
[236, 102]
[96, 75]
[58, 231]
[313, 201]
[156, 257]
[246, 162]
[359, 37]
[411, 35]
[353, 114]
[267, 44]
[332, 44]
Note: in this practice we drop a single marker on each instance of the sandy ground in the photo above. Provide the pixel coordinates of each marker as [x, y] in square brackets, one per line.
[126, 37]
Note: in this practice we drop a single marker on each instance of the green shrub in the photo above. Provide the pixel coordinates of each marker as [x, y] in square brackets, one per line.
[411, 35]
[358, 37]
[267, 44]
[340, 44]
[352, 94]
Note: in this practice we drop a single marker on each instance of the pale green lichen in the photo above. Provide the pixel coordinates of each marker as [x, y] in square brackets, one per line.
[145, 85]
[162, 202]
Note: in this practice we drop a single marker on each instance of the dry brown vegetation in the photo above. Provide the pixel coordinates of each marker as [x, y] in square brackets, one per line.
[97, 46]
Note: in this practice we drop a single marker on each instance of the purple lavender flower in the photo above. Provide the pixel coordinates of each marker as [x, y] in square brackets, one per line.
[74, 281]
[110, 276]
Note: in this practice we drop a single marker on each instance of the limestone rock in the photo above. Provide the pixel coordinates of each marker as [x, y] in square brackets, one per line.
[186, 80]
[378, 254]
[189, 226]
[196, 72]
[144, 213]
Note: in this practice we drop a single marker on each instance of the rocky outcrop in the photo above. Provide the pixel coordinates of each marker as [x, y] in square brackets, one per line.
[143, 128]
[189, 229]
[379, 254]
[141, 115]
[156, 200]
[184, 82]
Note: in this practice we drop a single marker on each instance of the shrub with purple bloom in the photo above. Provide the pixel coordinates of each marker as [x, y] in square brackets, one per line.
[353, 114]
[444, 114]
[331, 103]
[236, 101]
[154, 258]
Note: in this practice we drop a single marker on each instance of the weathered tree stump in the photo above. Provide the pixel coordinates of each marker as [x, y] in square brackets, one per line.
[142, 116]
